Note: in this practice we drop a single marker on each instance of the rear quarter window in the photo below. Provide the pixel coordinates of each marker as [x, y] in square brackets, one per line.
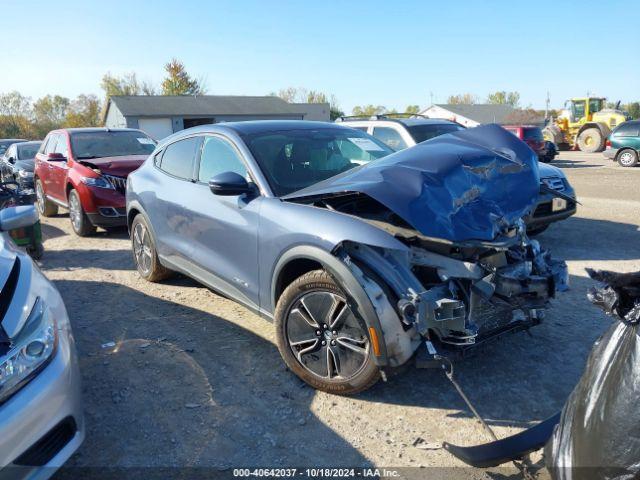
[627, 130]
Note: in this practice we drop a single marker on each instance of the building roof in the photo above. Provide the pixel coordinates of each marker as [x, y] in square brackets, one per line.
[481, 113]
[206, 105]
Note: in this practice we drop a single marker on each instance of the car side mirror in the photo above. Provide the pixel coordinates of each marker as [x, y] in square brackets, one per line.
[21, 216]
[229, 183]
[56, 157]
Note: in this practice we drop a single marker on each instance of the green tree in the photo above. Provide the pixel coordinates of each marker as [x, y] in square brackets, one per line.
[84, 111]
[179, 82]
[302, 95]
[412, 109]
[504, 98]
[462, 99]
[49, 113]
[633, 109]
[368, 110]
[127, 84]
[15, 115]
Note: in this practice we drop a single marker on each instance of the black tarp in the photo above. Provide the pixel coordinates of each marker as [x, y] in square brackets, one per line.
[598, 436]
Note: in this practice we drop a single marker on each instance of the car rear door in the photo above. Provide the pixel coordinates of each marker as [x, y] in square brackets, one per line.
[224, 229]
[168, 214]
[43, 166]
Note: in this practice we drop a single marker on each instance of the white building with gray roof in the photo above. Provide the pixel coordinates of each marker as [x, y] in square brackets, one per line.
[162, 115]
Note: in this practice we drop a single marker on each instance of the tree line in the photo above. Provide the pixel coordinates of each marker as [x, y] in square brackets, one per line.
[22, 117]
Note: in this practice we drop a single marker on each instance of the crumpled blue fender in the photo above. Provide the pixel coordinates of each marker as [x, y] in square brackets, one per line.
[467, 185]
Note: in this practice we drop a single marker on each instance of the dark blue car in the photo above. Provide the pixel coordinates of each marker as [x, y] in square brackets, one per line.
[358, 254]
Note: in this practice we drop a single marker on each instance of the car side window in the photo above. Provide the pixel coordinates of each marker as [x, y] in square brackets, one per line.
[61, 146]
[389, 136]
[219, 156]
[179, 157]
[627, 130]
[51, 143]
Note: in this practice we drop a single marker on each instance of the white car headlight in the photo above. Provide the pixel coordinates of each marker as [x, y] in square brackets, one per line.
[25, 174]
[31, 350]
[96, 182]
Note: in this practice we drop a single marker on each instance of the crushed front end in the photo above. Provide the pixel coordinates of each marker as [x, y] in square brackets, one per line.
[506, 288]
[457, 295]
[464, 270]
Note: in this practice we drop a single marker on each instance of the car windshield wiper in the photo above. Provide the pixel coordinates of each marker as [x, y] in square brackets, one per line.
[87, 157]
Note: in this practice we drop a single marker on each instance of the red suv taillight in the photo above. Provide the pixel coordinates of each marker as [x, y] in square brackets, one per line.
[607, 143]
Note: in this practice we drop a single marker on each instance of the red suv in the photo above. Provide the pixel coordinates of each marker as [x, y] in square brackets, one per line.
[85, 170]
[529, 134]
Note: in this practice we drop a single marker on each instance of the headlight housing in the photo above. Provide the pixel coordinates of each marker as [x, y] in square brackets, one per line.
[25, 174]
[32, 349]
[99, 182]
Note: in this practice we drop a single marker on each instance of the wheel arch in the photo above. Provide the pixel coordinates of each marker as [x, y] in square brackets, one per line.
[134, 209]
[303, 257]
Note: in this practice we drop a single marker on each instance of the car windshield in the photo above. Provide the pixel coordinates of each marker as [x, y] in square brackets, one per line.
[294, 159]
[110, 144]
[26, 152]
[422, 133]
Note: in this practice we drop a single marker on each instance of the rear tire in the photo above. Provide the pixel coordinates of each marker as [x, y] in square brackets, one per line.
[591, 140]
[144, 251]
[45, 207]
[628, 158]
[79, 220]
[320, 339]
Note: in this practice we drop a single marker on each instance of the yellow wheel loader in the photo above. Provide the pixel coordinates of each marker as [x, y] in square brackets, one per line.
[585, 124]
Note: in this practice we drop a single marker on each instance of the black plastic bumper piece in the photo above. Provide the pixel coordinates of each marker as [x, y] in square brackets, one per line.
[508, 449]
[106, 222]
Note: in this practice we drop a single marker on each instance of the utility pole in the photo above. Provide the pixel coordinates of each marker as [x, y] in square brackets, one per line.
[431, 98]
[546, 108]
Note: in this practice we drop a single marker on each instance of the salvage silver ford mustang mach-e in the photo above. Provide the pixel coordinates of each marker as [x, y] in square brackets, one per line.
[357, 253]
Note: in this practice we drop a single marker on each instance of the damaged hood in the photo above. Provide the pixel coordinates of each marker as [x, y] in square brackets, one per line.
[468, 185]
[118, 166]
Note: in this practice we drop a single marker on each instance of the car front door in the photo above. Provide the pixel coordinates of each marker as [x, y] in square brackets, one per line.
[224, 229]
[58, 169]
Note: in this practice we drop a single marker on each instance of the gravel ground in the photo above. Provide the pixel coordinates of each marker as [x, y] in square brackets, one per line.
[195, 380]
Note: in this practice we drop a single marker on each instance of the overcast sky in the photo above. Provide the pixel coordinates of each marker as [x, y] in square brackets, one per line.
[390, 53]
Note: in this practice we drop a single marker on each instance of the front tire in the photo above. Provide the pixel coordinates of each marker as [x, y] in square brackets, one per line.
[320, 339]
[591, 140]
[145, 254]
[628, 158]
[45, 207]
[79, 220]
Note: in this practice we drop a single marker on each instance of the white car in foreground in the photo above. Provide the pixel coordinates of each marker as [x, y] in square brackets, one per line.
[41, 419]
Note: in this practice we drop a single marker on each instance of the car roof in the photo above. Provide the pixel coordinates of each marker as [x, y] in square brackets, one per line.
[520, 126]
[95, 129]
[262, 126]
[30, 142]
[407, 122]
